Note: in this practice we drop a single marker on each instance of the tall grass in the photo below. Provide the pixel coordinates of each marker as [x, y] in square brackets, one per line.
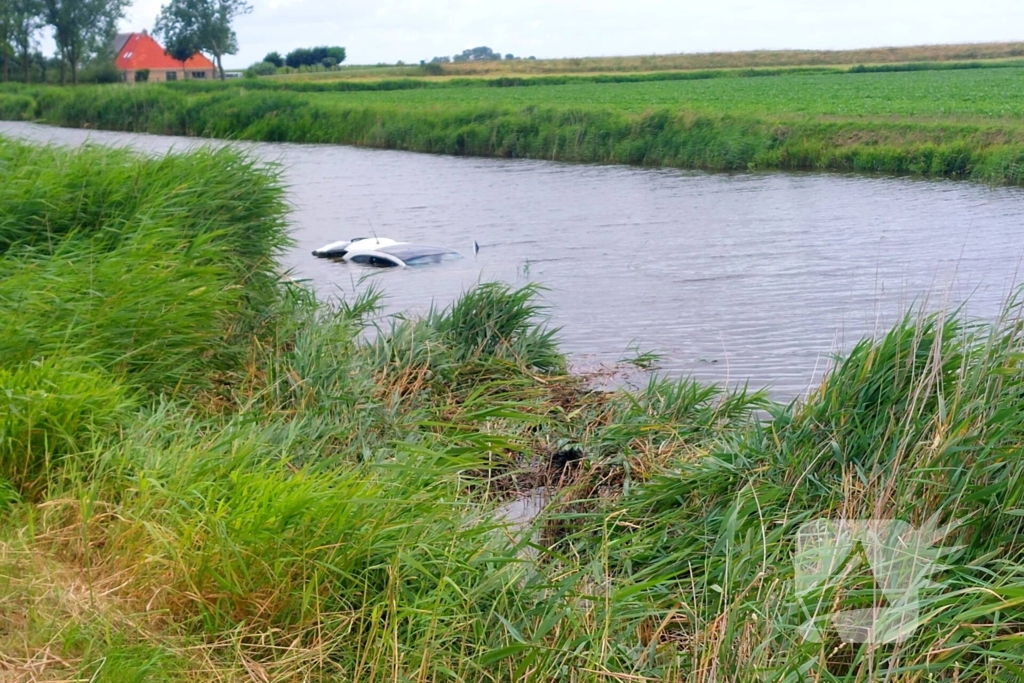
[917, 425]
[129, 264]
[52, 410]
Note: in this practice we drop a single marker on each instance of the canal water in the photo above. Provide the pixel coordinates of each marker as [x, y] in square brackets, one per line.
[759, 277]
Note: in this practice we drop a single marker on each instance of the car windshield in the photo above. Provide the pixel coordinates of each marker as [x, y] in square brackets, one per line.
[415, 254]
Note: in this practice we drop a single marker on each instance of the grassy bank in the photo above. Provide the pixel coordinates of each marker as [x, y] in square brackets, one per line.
[962, 123]
[206, 474]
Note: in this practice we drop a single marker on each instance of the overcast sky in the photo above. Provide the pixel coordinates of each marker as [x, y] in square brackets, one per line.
[410, 30]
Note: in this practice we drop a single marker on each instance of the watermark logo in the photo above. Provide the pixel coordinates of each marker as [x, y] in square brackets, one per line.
[901, 560]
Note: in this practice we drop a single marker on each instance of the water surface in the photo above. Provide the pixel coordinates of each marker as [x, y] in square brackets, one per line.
[759, 277]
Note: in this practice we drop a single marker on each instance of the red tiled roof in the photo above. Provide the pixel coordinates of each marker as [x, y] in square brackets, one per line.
[142, 52]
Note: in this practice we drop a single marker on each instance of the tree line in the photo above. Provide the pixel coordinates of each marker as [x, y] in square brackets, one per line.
[475, 54]
[84, 32]
[320, 56]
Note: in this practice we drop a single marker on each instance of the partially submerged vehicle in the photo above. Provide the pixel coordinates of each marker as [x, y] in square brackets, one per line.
[340, 248]
[386, 253]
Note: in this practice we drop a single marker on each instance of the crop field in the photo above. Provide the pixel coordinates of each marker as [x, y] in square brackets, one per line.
[935, 54]
[206, 474]
[968, 94]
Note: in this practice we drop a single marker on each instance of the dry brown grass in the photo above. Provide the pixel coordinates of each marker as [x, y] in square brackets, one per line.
[59, 619]
[40, 599]
[691, 62]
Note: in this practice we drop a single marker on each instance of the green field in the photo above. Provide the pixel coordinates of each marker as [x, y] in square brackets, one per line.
[206, 474]
[957, 95]
[960, 120]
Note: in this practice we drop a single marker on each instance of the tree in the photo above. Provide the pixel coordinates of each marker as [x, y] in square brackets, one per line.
[264, 68]
[182, 50]
[27, 21]
[6, 32]
[274, 58]
[299, 57]
[336, 53]
[477, 54]
[82, 29]
[200, 26]
[312, 56]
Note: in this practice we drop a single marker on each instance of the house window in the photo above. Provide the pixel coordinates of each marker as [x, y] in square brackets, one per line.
[172, 75]
[198, 74]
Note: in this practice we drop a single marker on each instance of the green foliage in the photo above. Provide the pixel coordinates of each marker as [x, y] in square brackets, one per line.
[274, 58]
[490, 333]
[477, 54]
[130, 263]
[262, 69]
[493, 321]
[120, 662]
[100, 71]
[20, 22]
[115, 198]
[50, 410]
[916, 424]
[433, 69]
[140, 310]
[313, 56]
[83, 28]
[190, 26]
[283, 528]
[15, 107]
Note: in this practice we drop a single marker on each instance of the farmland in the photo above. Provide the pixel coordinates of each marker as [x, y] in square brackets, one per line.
[953, 95]
[756, 59]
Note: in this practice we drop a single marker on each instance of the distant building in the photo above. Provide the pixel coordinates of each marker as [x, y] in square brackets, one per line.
[139, 52]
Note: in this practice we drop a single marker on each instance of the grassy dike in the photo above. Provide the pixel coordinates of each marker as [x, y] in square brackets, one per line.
[205, 474]
[956, 122]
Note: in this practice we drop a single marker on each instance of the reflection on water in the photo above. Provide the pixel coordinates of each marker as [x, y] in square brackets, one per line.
[758, 277]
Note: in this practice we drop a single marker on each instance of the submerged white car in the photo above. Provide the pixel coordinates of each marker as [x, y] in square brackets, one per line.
[386, 253]
[340, 248]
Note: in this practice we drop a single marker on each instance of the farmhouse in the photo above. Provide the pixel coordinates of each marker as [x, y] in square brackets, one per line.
[140, 57]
